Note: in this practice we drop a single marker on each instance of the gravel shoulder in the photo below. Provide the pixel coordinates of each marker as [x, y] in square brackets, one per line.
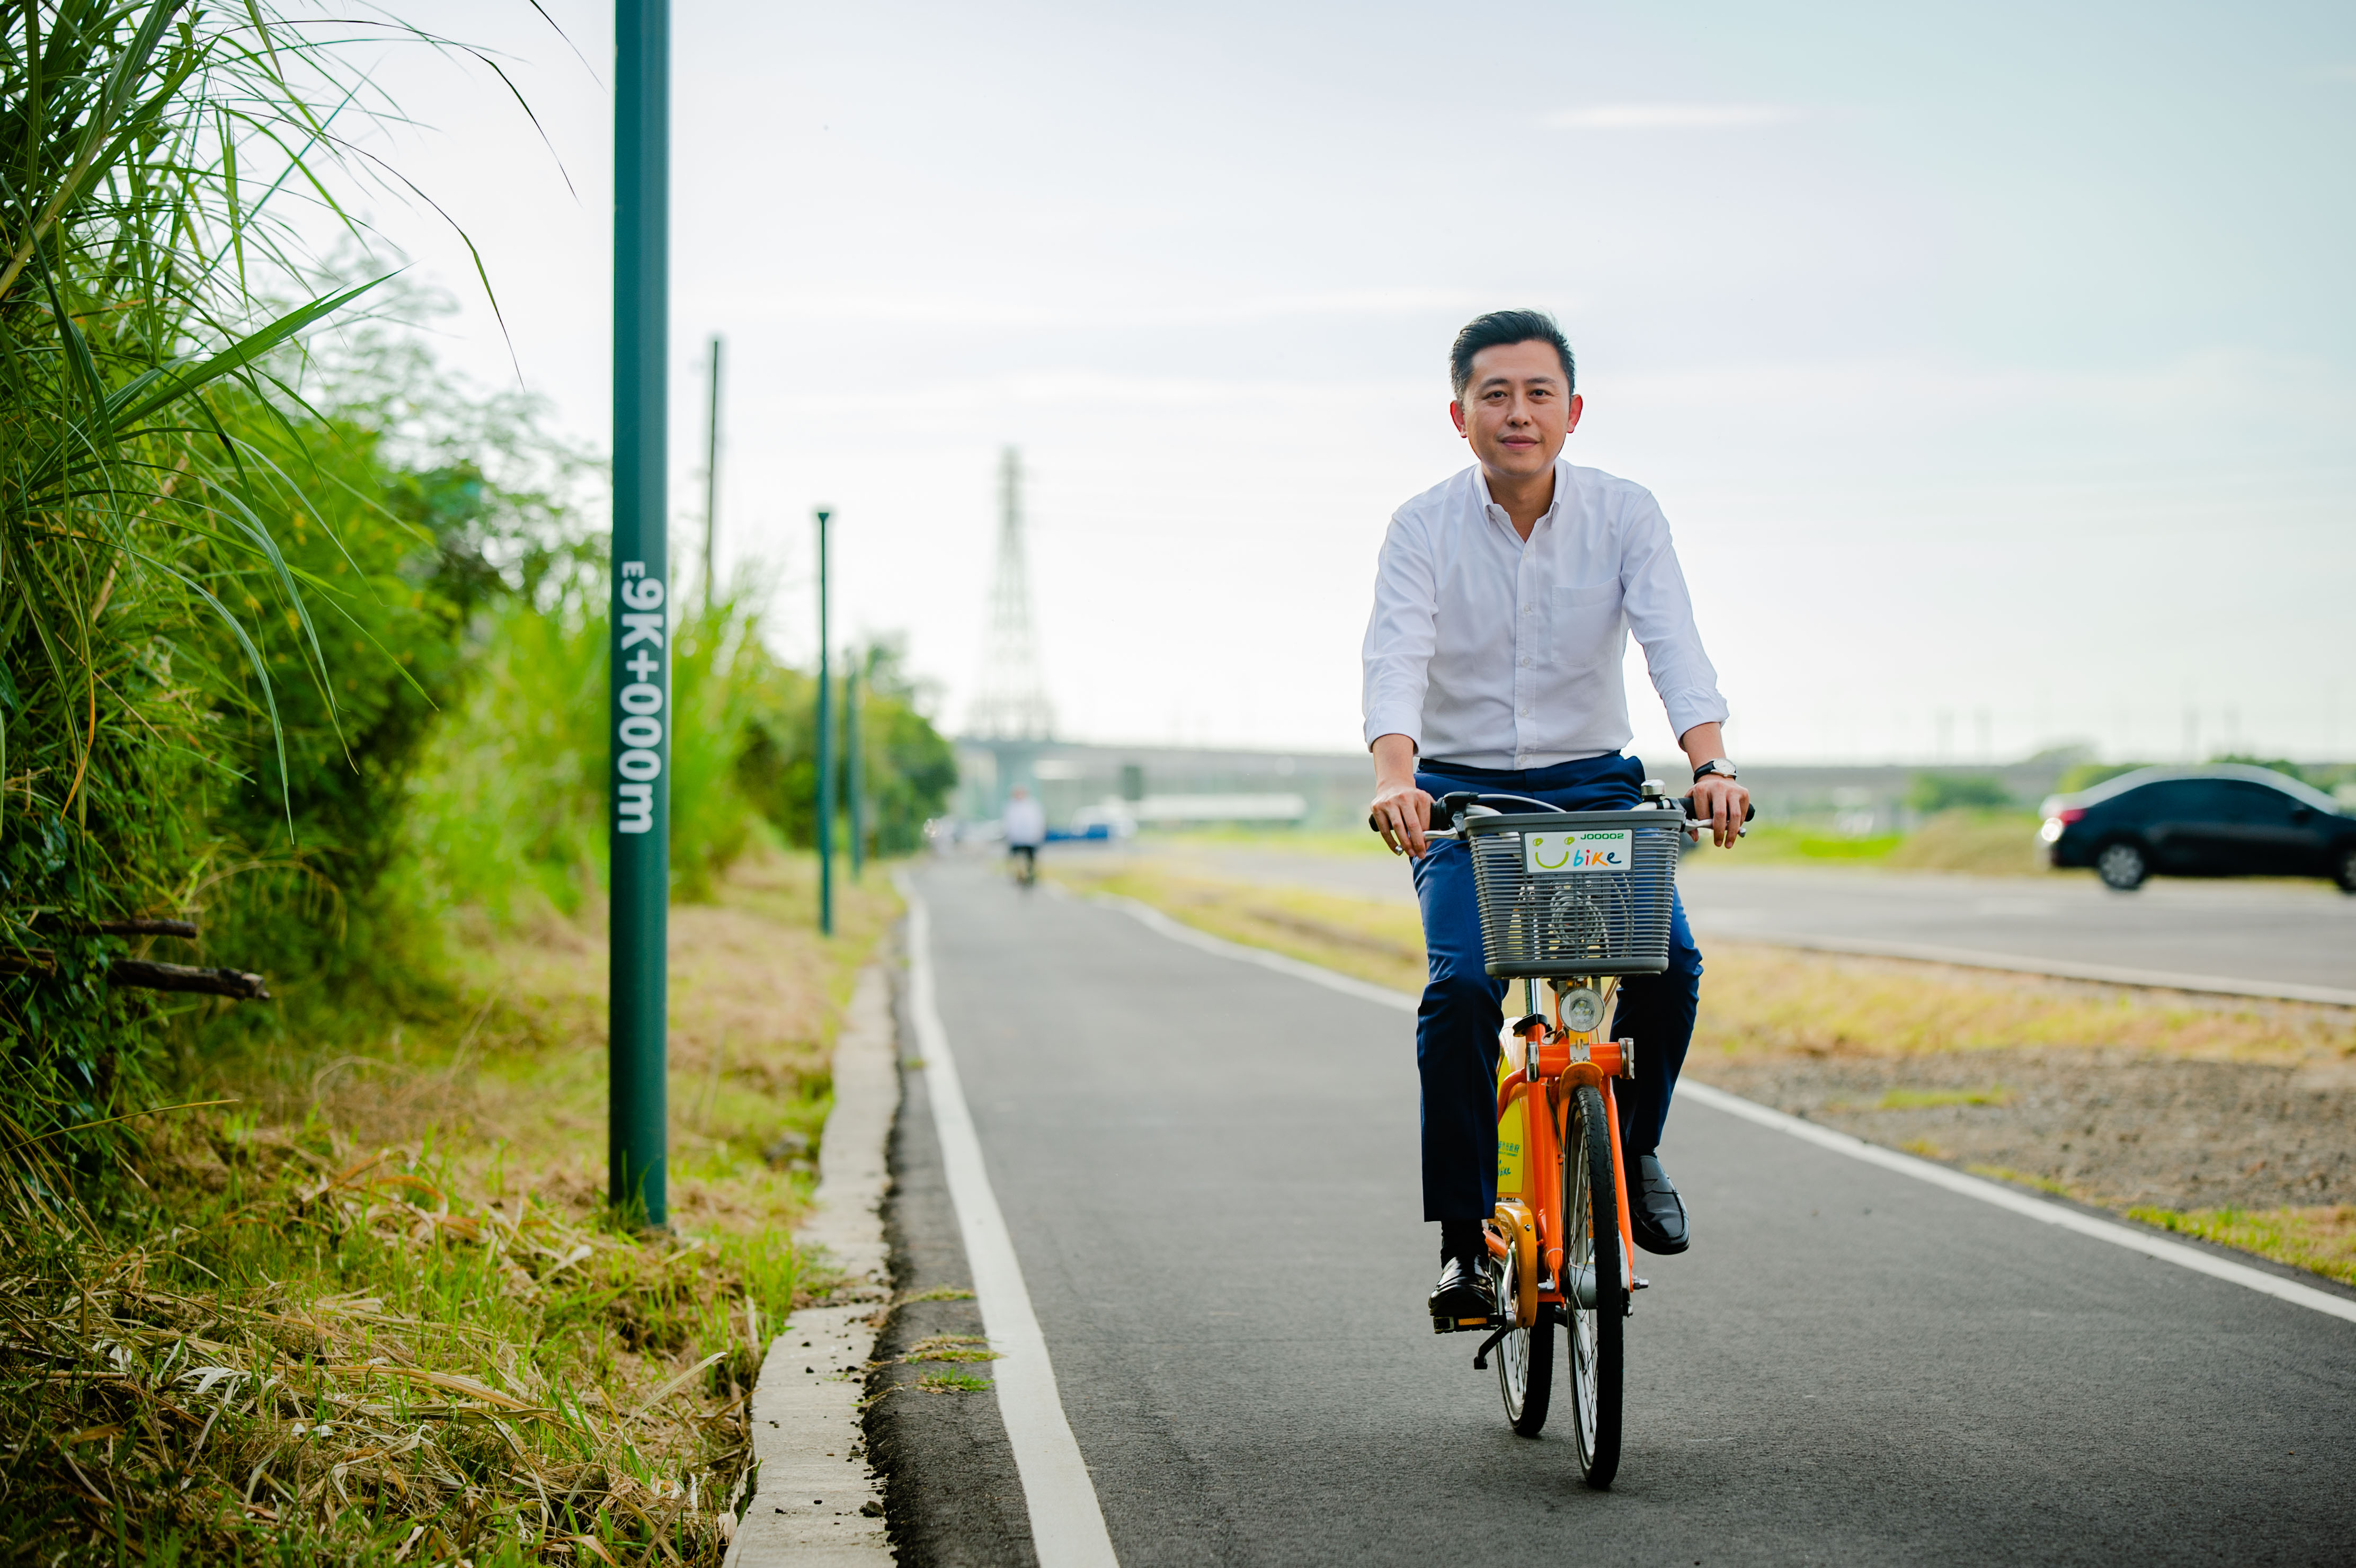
[2117, 1127]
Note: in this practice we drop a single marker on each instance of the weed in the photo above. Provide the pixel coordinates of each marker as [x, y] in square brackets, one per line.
[952, 1347]
[952, 1382]
[2321, 1239]
[1932, 1099]
[2020, 1179]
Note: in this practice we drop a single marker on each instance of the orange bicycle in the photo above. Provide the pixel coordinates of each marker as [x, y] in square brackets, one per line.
[1570, 901]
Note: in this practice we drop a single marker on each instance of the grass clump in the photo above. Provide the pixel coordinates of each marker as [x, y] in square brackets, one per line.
[1930, 1099]
[2017, 1177]
[952, 1347]
[952, 1382]
[2320, 1239]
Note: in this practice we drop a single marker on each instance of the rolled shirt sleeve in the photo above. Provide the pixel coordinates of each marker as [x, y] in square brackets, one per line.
[1660, 614]
[1401, 635]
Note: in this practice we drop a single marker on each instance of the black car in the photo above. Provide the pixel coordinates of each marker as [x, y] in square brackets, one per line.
[2224, 821]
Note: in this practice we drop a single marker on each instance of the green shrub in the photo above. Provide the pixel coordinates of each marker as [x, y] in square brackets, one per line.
[1931, 794]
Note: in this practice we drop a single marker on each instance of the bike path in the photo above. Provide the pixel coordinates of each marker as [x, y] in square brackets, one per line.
[1208, 1172]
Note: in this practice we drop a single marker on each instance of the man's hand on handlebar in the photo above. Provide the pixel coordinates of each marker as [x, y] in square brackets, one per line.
[1402, 814]
[1719, 804]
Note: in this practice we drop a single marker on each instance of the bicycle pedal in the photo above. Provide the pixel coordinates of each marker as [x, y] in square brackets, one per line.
[1461, 1325]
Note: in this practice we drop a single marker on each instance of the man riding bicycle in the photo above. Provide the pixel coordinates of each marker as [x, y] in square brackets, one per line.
[1026, 829]
[1503, 603]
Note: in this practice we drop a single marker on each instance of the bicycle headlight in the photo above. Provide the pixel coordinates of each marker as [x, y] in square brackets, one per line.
[1583, 1010]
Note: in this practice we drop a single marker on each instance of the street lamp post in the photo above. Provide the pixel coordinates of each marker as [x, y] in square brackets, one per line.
[854, 776]
[638, 715]
[825, 750]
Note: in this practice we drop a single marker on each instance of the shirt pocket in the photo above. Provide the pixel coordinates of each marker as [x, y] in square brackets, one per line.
[1586, 626]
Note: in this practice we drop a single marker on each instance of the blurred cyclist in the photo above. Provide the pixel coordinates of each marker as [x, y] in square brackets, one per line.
[1026, 829]
[1502, 607]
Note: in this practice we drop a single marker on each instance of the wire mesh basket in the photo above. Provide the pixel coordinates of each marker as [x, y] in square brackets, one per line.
[1575, 892]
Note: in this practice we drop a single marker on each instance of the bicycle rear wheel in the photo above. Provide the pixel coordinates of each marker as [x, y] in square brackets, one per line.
[1594, 1291]
[1525, 1358]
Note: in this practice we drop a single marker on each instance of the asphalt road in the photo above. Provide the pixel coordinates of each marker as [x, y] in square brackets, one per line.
[2265, 935]
[1208, 1172]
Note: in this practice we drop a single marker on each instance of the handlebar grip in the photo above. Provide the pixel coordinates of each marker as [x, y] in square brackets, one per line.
[1684, 804]
[1443, 815]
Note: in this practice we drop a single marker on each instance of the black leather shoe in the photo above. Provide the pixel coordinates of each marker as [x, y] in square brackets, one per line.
[1464, 1297]
[1654, 1210]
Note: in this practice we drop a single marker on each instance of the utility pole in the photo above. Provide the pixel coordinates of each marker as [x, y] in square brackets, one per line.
[854, 779]
[712, 484]
[825, 750]
[638, 714]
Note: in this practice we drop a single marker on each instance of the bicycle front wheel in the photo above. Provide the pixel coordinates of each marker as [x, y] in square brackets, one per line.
[1595, 1293]
[1524, 1356]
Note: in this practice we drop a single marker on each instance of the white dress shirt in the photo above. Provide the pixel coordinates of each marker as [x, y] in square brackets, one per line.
[1026, 822]
[1497, 653]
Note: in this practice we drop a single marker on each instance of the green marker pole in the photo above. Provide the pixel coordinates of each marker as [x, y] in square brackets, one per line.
[639, 664]
[825, 752]
[854, 776]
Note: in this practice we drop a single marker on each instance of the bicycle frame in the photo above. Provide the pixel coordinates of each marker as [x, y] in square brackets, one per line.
[1555, 1061]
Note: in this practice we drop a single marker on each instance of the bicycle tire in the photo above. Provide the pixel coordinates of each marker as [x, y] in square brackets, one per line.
[1590, 1215]
[1525, 1361]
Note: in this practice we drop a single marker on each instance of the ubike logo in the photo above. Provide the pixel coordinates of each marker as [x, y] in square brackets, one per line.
[638, 735]
[1606, 850]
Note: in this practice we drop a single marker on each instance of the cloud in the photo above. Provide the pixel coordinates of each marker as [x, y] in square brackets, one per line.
[1669, 116]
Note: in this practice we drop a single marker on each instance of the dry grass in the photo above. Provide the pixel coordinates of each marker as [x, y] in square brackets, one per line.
[379, 1312]
[2320, 1238]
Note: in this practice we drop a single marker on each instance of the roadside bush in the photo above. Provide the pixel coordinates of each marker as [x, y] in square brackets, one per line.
[908, 768]
[1931, 794]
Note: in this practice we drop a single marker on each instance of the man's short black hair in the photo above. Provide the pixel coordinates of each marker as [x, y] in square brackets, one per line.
[1502, 326]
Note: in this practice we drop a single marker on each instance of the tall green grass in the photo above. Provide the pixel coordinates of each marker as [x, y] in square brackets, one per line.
[157, 617]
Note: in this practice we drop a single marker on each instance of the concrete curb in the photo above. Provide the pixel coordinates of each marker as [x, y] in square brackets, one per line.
[816, 1500]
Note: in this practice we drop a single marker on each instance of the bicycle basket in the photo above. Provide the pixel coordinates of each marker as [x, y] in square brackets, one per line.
[1575, 892]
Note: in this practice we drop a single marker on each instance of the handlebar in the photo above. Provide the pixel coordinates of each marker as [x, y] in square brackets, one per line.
[1445, 809]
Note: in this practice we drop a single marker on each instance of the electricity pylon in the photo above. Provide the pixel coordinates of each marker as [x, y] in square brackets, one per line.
[1011, 703]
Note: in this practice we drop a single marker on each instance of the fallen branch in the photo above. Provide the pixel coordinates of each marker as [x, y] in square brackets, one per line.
[141, 927]
[138, 928]
[151, 977]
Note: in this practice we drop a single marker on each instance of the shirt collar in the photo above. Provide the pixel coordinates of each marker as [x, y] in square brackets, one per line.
[1497, 514]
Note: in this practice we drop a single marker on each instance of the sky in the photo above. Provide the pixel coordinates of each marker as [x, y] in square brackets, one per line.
[1996, 368]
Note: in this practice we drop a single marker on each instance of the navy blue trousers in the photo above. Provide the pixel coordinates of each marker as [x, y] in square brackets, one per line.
[1457, 1026]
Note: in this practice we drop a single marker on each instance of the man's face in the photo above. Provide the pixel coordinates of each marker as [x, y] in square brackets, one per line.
[1517, 408]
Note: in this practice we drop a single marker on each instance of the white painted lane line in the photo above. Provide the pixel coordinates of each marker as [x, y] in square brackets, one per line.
[1349, 986]
[1067, 1527]
[2135, 1238]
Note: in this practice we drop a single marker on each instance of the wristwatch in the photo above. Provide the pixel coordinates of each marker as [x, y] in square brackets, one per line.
[1718, 766]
